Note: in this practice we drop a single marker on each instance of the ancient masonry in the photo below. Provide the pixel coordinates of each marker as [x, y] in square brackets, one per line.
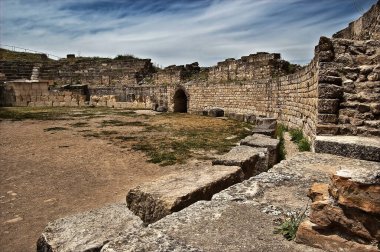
[228, 204]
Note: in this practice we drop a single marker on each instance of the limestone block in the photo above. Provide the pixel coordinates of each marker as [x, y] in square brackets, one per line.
[307, 234]
[251, 160]
[263, 141]
[330, 80]
[216, 112]
[357, 187]
[318, 192]
[365, 148]
[329, 91]
[328, 106]
[171, 193]
[327, 129]
[87, 231]
[147, 239]
[327, 118]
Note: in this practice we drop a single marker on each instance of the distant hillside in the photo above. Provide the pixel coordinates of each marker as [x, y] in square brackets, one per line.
[7, 55]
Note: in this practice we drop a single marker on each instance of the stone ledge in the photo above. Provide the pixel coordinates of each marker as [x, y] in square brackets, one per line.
[171, 193]
[251, 160]
[263, 141]
[87, 231]
[349, 146]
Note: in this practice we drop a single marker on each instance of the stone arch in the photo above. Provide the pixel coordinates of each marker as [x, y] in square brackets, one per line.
[181, 100]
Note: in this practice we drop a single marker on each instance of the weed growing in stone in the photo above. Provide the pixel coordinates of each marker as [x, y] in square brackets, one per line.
[289, 226]
[298, 138]
[280, 130]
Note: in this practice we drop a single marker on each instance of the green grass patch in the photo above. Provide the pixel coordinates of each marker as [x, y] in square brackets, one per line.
[55, 129]
[106, 123]
[298, 138]
[126, 138]
[280, 131]
[108, 132]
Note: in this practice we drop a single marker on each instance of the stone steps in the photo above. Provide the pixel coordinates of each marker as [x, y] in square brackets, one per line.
[365, 148]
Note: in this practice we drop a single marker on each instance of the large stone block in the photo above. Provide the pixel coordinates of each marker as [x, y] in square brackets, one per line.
[263, 141]
[329, 91]
[357, 187]
[251, 160]
[171, 193]
[87, 231]
[366, 148]
[308, 234]
[328, 106]
[216, 112]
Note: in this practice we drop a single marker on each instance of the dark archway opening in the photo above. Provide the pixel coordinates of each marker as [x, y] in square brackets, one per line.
[180, 101]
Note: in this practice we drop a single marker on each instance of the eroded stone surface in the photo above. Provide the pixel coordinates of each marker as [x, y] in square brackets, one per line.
[171, 193]
[87, 231]
[251, 160]
[147, 239]
[330, 242]
[350, 146]
[263, 141]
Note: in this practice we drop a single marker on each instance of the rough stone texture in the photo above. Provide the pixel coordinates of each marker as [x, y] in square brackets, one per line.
[263, 141]
[349, 146]
[87, 231]
[306, 234]
[318, 192]
[243, 217]
[171, 193]
[262, 131]
[357, 187]
[147, 239]
[216, 112]
[251, 160]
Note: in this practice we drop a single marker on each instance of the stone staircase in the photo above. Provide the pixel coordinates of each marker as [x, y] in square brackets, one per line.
[35, 72]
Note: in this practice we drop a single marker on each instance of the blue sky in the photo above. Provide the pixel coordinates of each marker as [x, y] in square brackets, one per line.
[175, 31]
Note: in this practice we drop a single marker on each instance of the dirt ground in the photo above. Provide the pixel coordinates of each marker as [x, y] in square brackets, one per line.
[45, 176]
[59, 162]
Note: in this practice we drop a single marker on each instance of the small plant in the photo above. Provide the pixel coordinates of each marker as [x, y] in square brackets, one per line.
[289, 226]
[280, 130]
[298, 138]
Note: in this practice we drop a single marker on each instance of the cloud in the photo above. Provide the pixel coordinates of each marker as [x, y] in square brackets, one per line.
[175, 31]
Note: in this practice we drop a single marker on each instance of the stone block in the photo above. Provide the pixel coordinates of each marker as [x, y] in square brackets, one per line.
[251, 160]
[329, 91]
[263, 141]
[266, 123]
[328, 106]
[308, 234]
[330, 80]
[327, 118]
[318, 192]
[366, 148]
[87, 231]
[357, 187]
[327, 129]
[147, 239]
[152, 201]
[216, 112]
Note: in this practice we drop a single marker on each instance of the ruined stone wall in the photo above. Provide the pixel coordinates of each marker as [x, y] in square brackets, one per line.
[175, 74]
[27, 93]
[13, 70]
[365, 28]
[292, 99]
[349, 87]
[252, 67]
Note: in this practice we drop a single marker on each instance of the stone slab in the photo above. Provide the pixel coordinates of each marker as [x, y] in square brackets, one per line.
[264, 131]
[366, 148]
[251, 160]
[263, 141]
[171, 193]
[147, 239]
[306, 234]
[87, 231]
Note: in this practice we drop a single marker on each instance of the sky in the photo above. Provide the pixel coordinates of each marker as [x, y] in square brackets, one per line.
[175, 31]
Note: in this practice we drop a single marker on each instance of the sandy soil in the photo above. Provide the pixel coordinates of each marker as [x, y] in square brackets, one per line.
[48, 175]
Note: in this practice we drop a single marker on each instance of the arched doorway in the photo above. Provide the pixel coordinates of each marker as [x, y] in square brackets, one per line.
[180, 101]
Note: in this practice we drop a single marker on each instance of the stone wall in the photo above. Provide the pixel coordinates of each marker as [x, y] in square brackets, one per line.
[175, 74]
[365, 28]
[255, 66]
[349, 87]
[30, 93]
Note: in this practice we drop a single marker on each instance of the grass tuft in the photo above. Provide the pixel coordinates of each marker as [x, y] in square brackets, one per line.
[289, 226]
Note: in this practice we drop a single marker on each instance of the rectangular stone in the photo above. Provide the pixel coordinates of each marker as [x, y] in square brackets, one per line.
[263, 141]
[365, 148]
[328, 106]
[152, 201]
[329, 91]
[251, 160]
